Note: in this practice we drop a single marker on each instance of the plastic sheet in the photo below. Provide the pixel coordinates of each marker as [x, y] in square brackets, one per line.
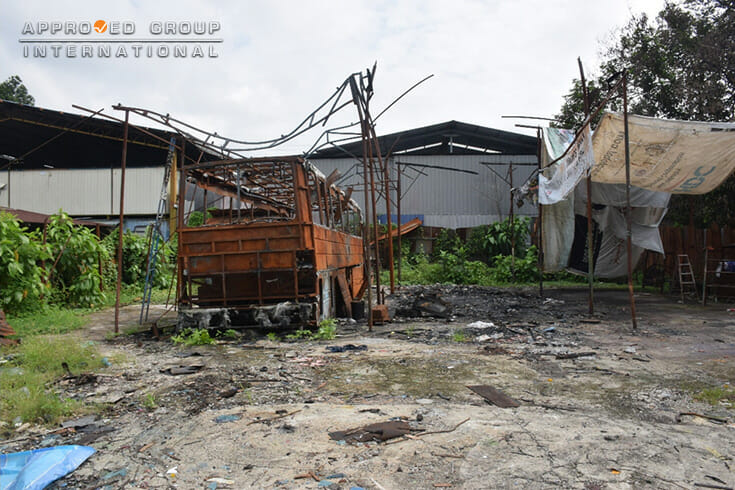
[36, 469]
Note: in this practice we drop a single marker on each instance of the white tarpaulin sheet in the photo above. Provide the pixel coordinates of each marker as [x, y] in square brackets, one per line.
[557, 181]
[678, 157]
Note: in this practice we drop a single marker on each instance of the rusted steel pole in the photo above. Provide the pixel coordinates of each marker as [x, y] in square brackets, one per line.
[628, 213]
[379, 298]
[511, 216]
[590, 254]
[366, 226]
[180, 286]
[386, 176]
[540, 222]
[123, 162]
[398, 210]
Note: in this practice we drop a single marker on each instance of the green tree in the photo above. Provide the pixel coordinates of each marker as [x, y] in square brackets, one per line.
[13, 90]
[681, 65]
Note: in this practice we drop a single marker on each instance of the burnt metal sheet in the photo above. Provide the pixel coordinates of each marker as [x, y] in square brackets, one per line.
[495, 396]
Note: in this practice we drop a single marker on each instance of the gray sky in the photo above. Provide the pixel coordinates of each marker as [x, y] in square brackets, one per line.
[280, 59]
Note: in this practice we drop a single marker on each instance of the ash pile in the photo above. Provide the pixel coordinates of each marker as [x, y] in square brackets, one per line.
[451, 302]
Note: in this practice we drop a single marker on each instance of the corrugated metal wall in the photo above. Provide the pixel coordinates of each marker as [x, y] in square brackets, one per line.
[91, 192]
[445, 198]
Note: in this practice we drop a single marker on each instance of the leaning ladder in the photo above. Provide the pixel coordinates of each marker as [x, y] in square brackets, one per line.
[156, 235]
[686, 275]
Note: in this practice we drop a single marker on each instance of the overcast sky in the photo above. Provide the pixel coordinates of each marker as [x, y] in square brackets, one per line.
[278, 60]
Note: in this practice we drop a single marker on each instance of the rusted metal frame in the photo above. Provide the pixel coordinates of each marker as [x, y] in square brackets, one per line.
[309, 121]
[138, 128]
[366, 234]
[398, 211]
[628, 211]
[386, 185]
[318, 185]
[379, 298]
[181, 281]
[590, 254]
[123, 162]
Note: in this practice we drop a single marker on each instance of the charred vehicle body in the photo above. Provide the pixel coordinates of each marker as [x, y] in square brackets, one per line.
[278, 245]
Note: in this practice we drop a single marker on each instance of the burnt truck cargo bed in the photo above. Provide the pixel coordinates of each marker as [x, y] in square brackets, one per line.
[288, 254]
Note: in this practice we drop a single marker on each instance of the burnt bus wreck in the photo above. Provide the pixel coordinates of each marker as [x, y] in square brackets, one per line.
[279, 245]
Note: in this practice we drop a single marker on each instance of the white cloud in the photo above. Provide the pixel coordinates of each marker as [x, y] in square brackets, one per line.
[281, 59]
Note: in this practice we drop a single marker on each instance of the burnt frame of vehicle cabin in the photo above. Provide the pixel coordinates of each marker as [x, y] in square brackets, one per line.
[280, 245]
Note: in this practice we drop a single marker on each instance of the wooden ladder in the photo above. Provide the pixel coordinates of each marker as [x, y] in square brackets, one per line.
[686, 275]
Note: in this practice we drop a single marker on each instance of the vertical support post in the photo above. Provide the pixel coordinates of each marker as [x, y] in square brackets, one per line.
[628, 214]
[123, 162]
[180, 280]
[389, 218]
[590, 251]
[398, 210]
[540, 222]
[511, 216]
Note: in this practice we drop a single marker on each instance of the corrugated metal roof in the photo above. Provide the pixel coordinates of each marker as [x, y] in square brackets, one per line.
[448, 138]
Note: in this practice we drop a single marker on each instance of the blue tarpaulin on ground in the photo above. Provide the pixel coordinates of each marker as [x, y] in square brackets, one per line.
[34, 470]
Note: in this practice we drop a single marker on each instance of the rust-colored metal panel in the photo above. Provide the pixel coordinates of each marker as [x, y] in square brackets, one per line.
[266, 249]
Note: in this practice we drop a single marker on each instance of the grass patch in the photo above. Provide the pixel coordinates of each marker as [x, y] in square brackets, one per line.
[25, 381]
[49, 320]
[717, 396]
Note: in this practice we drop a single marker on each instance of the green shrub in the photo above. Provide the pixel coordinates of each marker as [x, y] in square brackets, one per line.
[487, 242]
[525, 268]
[77, 254]
[192, 337]
[21, 276]
[327, 329]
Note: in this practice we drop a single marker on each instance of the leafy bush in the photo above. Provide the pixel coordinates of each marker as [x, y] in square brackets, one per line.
[448, 241]
[21, 277]
[525, 270]
[135, 260]
[77, 254]
[327, 330]
[487, 242]
[193, 337]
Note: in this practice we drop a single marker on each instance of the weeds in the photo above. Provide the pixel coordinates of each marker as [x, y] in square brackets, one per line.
[327, 330]
[26, 381]
[717, 395]
[459, 336]
[273, 337]
[192, 337]
[148, 401]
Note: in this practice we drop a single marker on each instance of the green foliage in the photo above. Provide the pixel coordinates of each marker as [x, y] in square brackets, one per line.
[76, 253]
[459, 336]
[135, 260]
[300, 334]
[447, 241]
[25, 381]
[148, 401]
[21, 277]
[717, 395]
[229, 334]
[524, 269]
[487, 242]
[193, 337]
[13, 90]
[273, 337]
[327, 329]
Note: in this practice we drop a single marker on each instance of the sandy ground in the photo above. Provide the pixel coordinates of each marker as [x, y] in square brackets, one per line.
[258, 413]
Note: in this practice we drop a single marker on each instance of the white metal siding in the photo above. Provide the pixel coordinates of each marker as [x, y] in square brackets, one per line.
[445, 198]
[82, 192]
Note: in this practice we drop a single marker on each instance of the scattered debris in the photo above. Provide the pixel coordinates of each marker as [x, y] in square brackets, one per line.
[719, 420]
[179, 370]
[574, 355]
[382, 431]
[6, 331]
[222, 419]
[495, 396]
[346, 348]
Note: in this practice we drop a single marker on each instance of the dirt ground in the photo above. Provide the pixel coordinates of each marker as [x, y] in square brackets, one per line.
[256, 413]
